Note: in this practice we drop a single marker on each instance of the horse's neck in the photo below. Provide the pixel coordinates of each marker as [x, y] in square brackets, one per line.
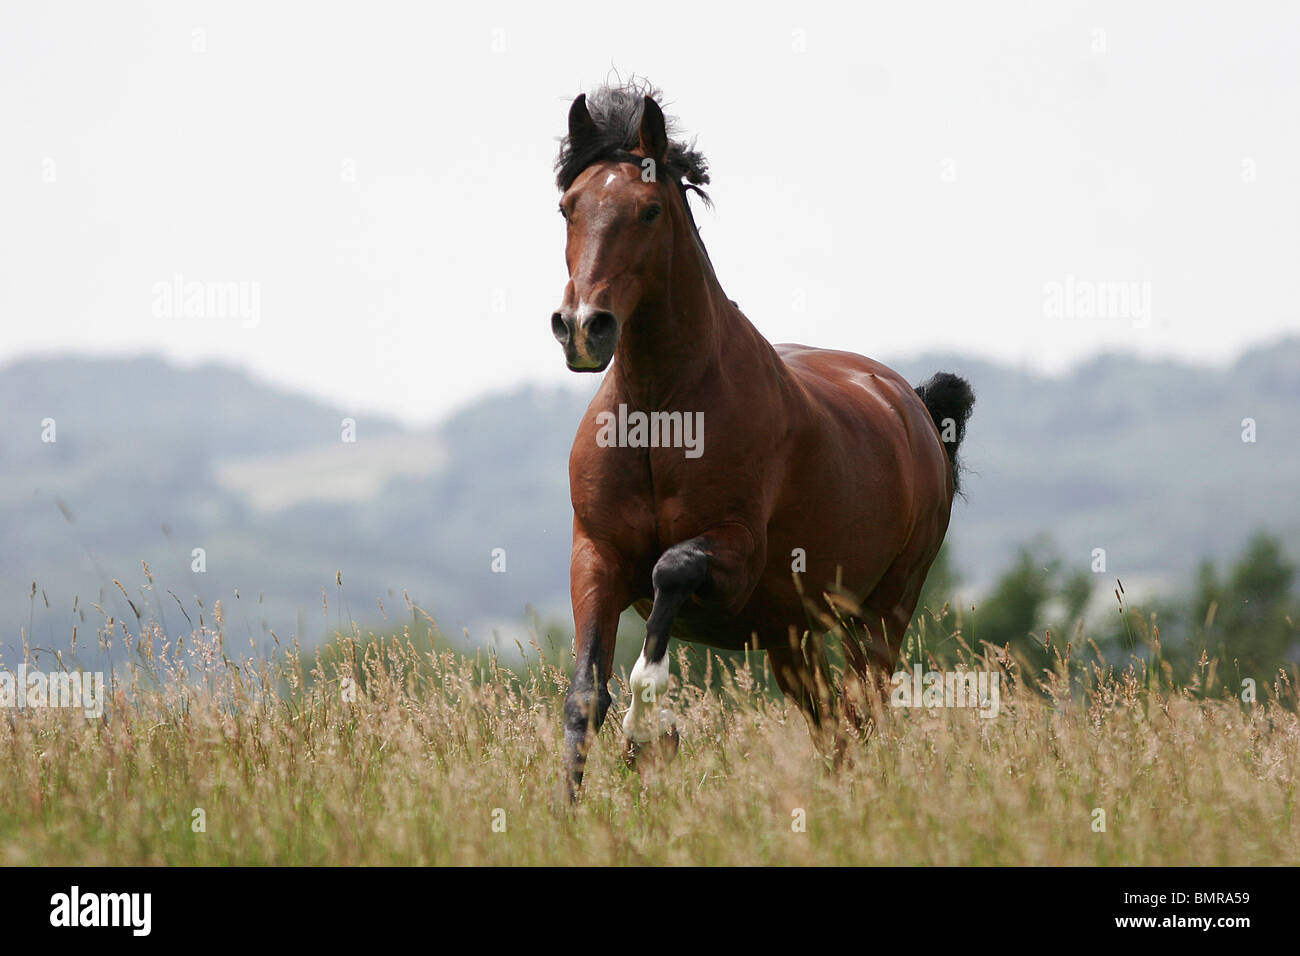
[694, 333]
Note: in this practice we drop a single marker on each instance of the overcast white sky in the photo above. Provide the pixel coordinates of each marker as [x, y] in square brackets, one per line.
[380, 173]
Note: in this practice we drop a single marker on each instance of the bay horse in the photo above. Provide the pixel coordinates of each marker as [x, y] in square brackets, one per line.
[809, 460]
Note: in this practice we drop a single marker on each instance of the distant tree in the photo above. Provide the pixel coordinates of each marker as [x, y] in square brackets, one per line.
[1249, 617]
[1035, 607]
[1014, 610]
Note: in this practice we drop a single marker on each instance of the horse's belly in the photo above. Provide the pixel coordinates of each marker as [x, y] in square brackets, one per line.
[772, 610]
[762, 620]
[698, 623]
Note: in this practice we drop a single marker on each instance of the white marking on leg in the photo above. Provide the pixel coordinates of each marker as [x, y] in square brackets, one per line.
[649, 683]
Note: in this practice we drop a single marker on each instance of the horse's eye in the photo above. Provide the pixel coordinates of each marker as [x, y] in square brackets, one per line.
[563, 215]
[651, 214]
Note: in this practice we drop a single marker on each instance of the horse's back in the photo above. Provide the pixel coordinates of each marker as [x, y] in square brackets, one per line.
[861, 390]
[865, 420]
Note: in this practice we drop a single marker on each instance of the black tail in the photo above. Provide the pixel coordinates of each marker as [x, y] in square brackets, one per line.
[949, 399]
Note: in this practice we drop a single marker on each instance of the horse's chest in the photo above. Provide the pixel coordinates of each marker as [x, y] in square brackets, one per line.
[675, 519]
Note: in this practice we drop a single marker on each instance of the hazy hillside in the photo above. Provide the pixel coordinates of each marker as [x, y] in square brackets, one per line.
[151, 461]
[1143, 459]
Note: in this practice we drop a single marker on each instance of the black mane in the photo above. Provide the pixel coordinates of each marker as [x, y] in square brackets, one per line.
[616, 111]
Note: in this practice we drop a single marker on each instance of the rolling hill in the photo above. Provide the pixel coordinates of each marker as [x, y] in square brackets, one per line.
[151, 461]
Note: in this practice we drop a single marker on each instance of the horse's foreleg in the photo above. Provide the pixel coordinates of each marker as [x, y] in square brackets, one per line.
[679, 573]
[601, 589]
[718, 566]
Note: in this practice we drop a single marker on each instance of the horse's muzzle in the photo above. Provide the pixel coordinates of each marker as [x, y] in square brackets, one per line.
[588, 341]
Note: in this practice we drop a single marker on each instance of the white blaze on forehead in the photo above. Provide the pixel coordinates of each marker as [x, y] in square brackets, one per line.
[610, 179]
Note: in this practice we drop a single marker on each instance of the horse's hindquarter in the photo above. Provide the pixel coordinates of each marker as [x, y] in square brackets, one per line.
[867, 471]
[857, 493]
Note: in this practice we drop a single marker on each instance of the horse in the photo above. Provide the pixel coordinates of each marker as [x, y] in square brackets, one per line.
[810, 465]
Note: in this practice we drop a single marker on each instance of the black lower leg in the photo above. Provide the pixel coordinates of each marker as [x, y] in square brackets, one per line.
[585, 707]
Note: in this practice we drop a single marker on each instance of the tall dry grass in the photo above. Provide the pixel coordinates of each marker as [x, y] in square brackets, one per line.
[444, 759]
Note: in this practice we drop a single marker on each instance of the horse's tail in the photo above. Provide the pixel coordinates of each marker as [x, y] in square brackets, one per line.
[949, 399]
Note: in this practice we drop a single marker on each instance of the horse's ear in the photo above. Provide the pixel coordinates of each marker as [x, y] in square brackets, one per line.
[654, 131]
[581, 126]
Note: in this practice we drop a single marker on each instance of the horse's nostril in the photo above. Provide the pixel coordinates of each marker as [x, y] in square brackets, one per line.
[601, 325]
[560, 328]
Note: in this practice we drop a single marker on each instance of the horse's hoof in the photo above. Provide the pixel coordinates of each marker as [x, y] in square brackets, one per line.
[653, 753]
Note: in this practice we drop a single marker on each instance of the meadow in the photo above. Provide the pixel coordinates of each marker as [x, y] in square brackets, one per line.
[393, 750]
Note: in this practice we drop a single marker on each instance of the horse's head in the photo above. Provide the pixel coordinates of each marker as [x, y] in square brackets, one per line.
[618, 210]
